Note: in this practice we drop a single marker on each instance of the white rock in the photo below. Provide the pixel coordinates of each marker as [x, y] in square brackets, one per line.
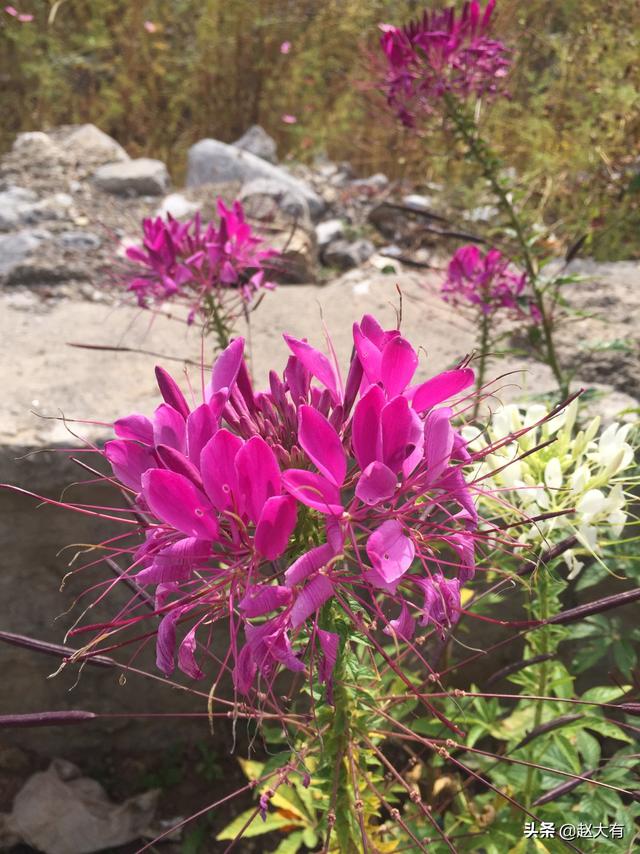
[329, 230]
[178, 206]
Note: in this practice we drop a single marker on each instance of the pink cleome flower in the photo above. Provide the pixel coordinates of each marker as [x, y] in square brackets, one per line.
[272, 510]
[190, 262]
[439, 54]
[487, 281]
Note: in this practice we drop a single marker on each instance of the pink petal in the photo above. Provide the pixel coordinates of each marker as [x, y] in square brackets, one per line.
[315, 362]
[186, 656]
[376, 483]
[399, 363]
[390, 551]
[169, 427]
[170, 392]
[308, 563]
[365, 427]
[438, 440]
[166, 642]
[401, 431]
[404, 626]
[245, 670]
[129, 461]
[441, 387]
[312, 596]
[261, 599]
[313, 490]
[277, 522]
[226, 367]
[177, 502]
[175, 562]
[322, 444]
[201, 425]
[136, 427]
[218, 468]
[175, 461]
[258, 475]
[329, 643]
[369, 355]
[372, 329]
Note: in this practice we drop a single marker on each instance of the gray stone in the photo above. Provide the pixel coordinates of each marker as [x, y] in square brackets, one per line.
[89, 143]
[37, 147]
[15, 205]
[330, 229]
[263, 197]
[373, 183]
[15, 249]
[257, 141]
[140, 177]
[214, 162]
[79, 240]
[344, 254]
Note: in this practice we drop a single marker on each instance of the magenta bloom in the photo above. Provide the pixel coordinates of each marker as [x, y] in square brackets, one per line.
[487, 281]
[442, 53]
[192, 262]
[274, 510]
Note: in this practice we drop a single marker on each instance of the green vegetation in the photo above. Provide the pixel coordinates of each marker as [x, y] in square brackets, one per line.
[211, 68]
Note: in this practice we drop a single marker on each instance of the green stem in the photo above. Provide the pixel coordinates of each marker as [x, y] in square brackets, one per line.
[485, 326]
[489, 165]
[543, 675]
[216, 323]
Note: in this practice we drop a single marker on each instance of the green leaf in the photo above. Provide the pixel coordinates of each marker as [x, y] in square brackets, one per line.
[607, 729]
[605, 693]
[589, 747]
[257, 826]
[291, 844]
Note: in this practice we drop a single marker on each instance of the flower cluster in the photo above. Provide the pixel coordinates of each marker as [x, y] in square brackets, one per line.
[195, 262]
[574, 481]
[276, 509]
[439, 54]
[486, 281]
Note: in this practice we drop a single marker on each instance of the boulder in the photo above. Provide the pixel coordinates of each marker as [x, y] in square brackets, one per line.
[257, 141]
[89, 144]
[140, 177]
[214, 162]
[263, 197]
[344, 254]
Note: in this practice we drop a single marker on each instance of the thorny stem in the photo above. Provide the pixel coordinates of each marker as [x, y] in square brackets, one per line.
[216, 322]
[489, 165]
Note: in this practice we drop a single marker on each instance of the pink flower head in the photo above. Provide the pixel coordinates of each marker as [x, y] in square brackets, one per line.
[274, 510]
[285, 47]
[288, 119]
[442, 53]
[150, 27]
[485, 280]
[191, 262]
